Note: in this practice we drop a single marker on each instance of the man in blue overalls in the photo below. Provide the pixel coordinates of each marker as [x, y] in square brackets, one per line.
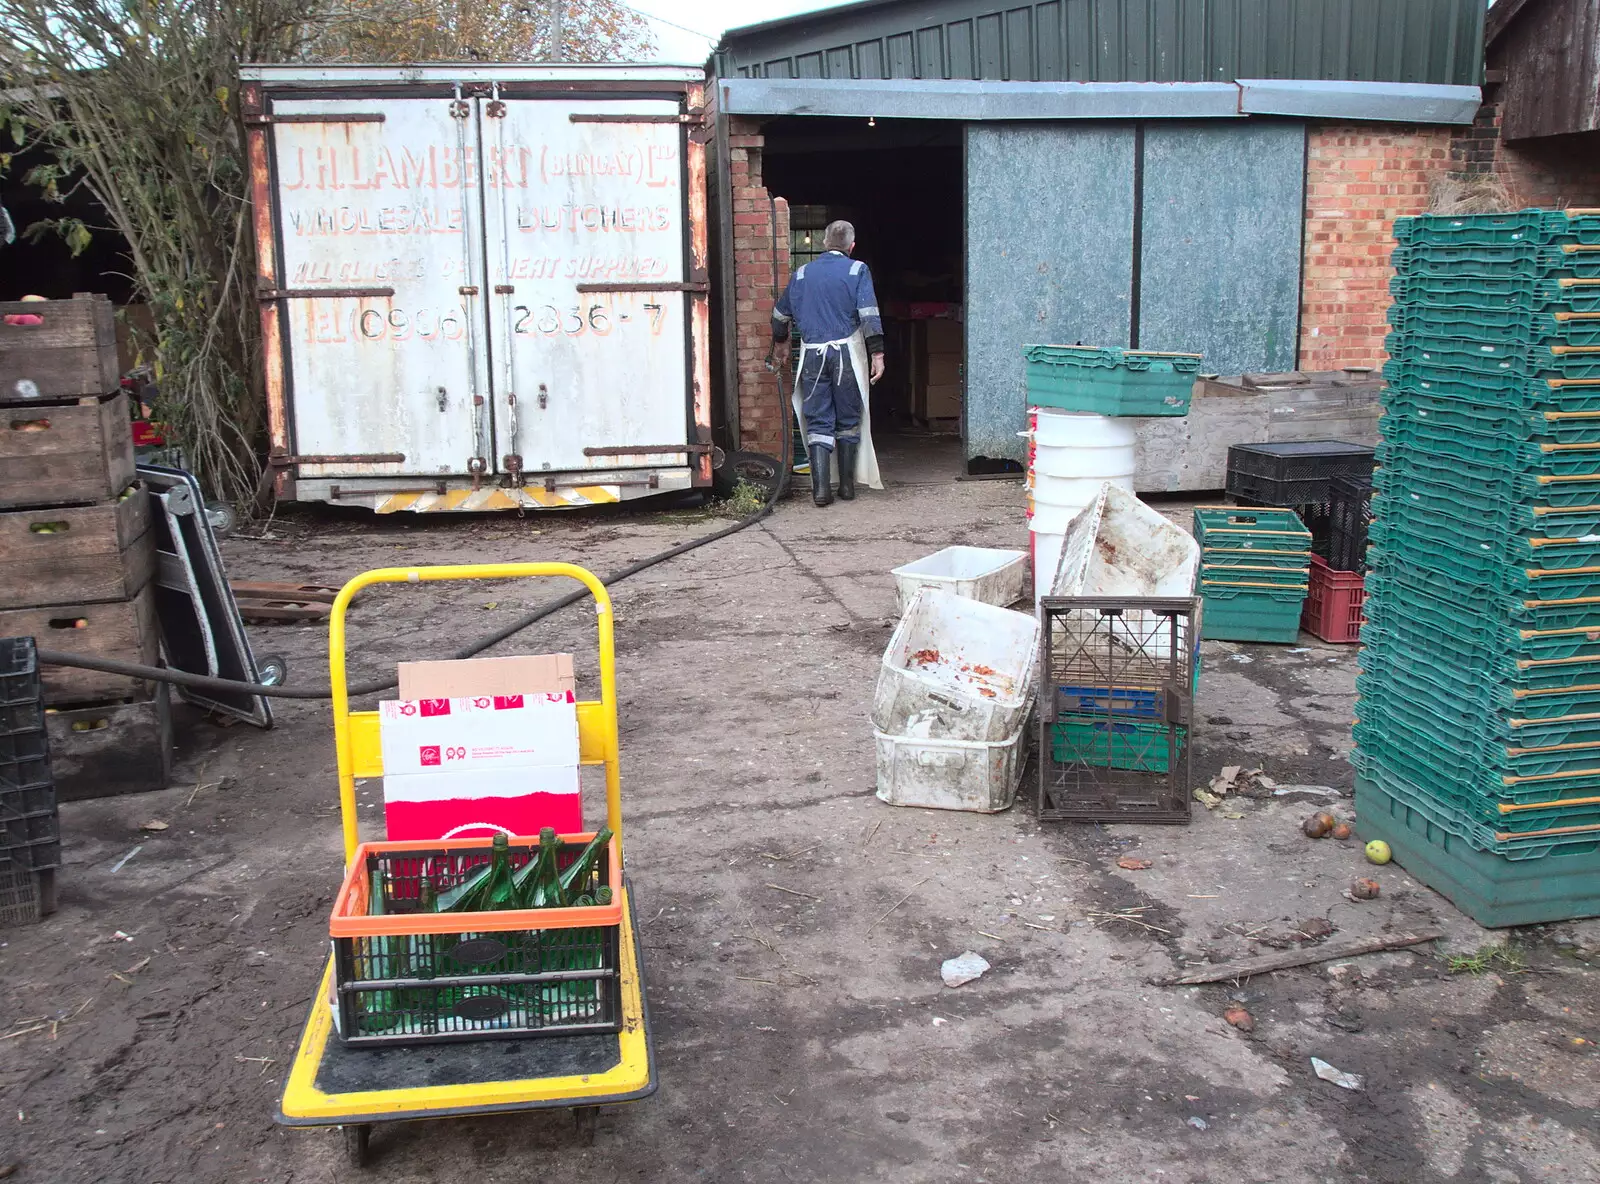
[832, 301]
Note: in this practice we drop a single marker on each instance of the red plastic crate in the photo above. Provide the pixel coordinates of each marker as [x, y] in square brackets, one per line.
[1334, 603]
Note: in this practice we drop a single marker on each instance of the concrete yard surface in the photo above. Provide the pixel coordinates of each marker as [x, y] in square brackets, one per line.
[793, 925]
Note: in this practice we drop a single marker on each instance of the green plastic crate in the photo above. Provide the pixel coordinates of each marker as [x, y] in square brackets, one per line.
[1517, 324]
[1110, 381]
[1535, 226]
[1497, 359]
[1494, 891]
[1571, 293]
[1259, 527]
[1265, 615]
[1135, 746]
[1527, 260]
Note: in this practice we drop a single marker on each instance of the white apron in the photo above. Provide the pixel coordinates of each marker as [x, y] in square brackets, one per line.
[866, 458]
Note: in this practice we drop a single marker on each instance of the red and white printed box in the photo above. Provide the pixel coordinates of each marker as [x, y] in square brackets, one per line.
[485, 732]
[458, 804]
[466, 767]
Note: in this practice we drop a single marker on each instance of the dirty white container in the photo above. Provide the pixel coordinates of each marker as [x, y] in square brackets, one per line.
[986, 574]
[1070, 457]
[957, 669]
[980, 776]
[1118, 546]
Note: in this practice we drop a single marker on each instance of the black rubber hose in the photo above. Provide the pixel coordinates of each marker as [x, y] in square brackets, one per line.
[202, 682]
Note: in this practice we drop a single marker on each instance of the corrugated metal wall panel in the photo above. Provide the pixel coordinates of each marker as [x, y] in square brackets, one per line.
[1220, 242]
[1045, 263]
[1430, 41]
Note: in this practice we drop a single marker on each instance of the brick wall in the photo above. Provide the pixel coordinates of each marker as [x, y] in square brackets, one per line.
[1554, 172]
[1359, 179]
[760, 415]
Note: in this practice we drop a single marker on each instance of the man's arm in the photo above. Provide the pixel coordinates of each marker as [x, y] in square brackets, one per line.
[870, 318]
[782, 319]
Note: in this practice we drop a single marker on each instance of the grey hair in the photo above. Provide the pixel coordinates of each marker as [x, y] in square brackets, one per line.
[840, 236]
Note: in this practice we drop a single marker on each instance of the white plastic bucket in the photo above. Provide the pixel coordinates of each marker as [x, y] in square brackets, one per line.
[1070, 458]
[977, 573]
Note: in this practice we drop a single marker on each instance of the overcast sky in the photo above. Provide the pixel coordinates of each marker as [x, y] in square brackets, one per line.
[709, 18]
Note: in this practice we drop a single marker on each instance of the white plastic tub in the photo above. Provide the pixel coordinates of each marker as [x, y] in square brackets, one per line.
[984, 574]
[1118, 546]
[1070, 458]
[950, 774]
[1121, 547]
[957, 669]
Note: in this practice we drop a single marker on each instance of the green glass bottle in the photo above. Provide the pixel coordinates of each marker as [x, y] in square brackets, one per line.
[378, 1008]
[460, 899]
[499, 892]
[538, 869]
[602, 895]
[575, 880]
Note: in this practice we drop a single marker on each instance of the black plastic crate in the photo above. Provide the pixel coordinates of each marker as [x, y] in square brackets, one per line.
[1295, 472]
[480, 981]
[21, 694]
[25, 896]
[1350, 504]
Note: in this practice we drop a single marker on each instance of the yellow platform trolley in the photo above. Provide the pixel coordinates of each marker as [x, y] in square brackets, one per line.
[332, 1083]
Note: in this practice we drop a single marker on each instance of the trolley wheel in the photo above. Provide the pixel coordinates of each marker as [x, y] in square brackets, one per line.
[757, 468]
[586, 1119]
[222, 517]
[358, 1144]
[272, 670]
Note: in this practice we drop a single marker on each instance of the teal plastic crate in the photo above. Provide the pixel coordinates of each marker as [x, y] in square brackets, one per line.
[1527, 260]
[1259, 527]
[1268, 615]
[1558, 885]
[1518, 324]
[1519, 359]
[1131, 745]
[1452, 413]
[1534, 226]
[1110, 381]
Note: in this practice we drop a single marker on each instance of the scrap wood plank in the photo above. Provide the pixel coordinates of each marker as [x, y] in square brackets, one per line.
[1288, 959]
[265, 601]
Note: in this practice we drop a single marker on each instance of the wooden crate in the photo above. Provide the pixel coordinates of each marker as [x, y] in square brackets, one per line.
[65, 453]
[126, 631]
[111, 748]
[73, 353]
[79, 554]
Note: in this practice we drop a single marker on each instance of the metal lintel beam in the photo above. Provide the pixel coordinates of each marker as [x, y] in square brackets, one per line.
[981, 101]
[975, 100]
[1386, 102]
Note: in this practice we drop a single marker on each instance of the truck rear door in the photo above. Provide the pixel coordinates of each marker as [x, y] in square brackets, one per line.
[382, 244]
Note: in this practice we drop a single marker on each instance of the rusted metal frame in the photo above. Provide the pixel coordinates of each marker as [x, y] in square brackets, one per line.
[694, 117]
[727, 280]
[325, 294]
[687, 286]
[700, 295]
[282, 459]
[331, 117]
[647, 449]
[264, 214]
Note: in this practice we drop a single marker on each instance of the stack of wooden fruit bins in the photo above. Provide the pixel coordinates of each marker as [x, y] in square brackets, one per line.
[76, 549]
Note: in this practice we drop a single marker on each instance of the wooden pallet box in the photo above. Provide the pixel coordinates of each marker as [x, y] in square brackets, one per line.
[77, 554]
[124, 631]
[105, 749]
[71, 354]
[57, 454]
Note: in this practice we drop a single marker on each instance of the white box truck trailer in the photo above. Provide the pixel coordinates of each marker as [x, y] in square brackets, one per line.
[482, 287]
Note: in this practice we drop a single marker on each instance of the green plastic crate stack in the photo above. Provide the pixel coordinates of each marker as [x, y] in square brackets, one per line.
[1108, 381]
[1478, 730]
[1255, 568]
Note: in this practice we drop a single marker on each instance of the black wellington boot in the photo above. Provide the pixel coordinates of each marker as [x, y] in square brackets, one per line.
[847, 469]
[821, 487]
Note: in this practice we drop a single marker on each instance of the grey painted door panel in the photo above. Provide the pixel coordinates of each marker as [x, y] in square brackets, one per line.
[1220, 257]
[1049, 259]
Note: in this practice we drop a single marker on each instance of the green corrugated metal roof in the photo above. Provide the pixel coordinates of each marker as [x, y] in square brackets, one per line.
[1421, 41]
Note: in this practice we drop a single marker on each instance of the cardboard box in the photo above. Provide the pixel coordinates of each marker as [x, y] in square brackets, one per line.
[943, 402]
[522, 675]
[945, 337]
[944, 370]
[489, 733]
[467, 804]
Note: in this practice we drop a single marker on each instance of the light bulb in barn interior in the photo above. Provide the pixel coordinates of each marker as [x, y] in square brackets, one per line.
[872, 121]
[808, 240]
